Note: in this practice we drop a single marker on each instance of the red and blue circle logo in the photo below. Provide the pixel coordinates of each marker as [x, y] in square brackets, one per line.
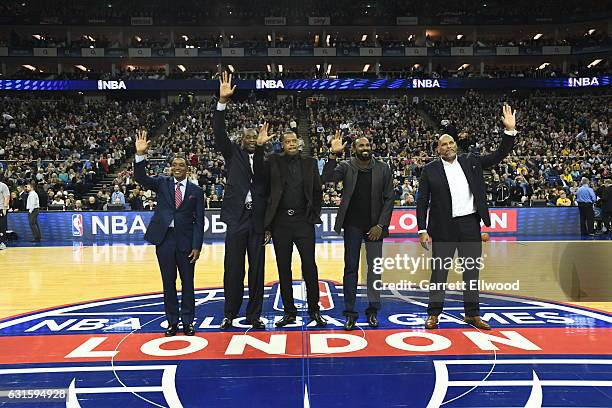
[112, 351]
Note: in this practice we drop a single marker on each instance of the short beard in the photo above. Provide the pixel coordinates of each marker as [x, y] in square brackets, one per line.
[361, 156]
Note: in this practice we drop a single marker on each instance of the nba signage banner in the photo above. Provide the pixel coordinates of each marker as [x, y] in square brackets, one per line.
[139, 52]
[406, 20]
[507, 51]
[275, 21]
[460, 51]
[141, 21]
[232, 52]
[185, 52]
[45, 52]
[92, 52]
[370, 52]
[324, 52]
[416, 51]
[556, 50]
[279, 52]
[319, 21]
[130, 226]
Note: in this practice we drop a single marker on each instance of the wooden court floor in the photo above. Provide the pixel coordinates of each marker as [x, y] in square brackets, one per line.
[34, 278]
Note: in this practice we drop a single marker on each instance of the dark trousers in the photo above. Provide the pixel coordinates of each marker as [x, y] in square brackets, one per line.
[467, 242]
[33, 219]
[240, 240]
[287, 230]
[587, 218]
[3, 226]
[607, 218]
[170, 258]
[353, 237]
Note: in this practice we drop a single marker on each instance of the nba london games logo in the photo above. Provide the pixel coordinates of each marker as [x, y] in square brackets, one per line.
[112, 352]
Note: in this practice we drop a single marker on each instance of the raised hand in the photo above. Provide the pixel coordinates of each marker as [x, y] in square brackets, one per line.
[142, 143]
[225, 87]
[336, 143]
[509, 118]
[263, 136]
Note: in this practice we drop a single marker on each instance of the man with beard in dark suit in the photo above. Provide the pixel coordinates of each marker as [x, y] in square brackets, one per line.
[364, 214]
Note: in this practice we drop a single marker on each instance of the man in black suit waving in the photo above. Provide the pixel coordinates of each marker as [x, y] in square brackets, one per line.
[177, 231]
[294, 207]
[453, 189]
[243, 208]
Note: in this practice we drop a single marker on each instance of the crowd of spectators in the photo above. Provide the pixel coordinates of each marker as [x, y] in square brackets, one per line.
[562, 139]
[66, 146]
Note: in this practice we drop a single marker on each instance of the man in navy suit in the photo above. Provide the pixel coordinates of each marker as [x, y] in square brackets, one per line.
[453, 189]
[177, 231]
[243, 210]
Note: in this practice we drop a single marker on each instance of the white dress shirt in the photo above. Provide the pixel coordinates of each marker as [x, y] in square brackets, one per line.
[248, 196]
[461, 196]
[33, 202]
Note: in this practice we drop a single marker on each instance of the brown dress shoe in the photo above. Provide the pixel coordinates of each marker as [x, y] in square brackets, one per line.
[431, 322]
[477, 322]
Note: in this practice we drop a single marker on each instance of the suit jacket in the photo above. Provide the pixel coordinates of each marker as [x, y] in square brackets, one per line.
[434, 191]
[239, 179]
[606, 199]
[382, 190]
[274, 171]
[188, 218]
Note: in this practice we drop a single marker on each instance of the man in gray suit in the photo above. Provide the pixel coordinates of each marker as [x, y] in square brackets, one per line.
[365, 214]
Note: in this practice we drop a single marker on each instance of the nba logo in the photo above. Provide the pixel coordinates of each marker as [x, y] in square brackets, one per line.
[326, 301]
[77, 225]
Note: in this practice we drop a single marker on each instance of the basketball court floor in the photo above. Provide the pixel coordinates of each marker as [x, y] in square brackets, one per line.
[82, 326]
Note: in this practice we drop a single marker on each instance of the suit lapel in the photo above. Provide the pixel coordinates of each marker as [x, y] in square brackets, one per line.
[244, 157]
[467, 170]
[376, 175]
[306, 176]
[171, 191]
[440, 167]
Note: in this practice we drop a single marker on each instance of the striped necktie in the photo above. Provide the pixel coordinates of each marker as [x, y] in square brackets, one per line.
[178, 197]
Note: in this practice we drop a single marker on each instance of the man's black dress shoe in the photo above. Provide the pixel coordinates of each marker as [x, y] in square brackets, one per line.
[287, 319]
[226, 323]
[258, 324]
[316, 316]
[171, 330]
[372, 320]
[189, 329]
[350, 323]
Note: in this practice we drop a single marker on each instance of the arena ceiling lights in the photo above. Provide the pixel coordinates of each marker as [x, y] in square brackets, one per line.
[595, 62]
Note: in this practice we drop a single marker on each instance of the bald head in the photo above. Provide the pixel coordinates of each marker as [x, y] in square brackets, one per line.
[447, 148]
